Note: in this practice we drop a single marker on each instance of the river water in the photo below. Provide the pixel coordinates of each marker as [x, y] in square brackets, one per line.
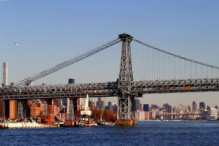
[145, 133]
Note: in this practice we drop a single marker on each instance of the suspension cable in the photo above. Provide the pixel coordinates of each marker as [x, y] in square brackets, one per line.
[184, 58]
[67, 63]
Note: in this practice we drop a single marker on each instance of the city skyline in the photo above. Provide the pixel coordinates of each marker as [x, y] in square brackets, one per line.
[46, 38]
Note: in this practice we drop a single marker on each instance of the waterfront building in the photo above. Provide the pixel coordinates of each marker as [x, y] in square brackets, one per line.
[147, 115]
[153, 114]
[136, 104]
[140, 115]
[212, 114]
[146, 107]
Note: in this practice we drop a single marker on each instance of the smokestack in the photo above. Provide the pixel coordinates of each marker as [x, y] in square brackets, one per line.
[5, 73]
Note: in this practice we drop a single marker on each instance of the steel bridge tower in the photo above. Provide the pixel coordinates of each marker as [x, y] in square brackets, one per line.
[125, 111]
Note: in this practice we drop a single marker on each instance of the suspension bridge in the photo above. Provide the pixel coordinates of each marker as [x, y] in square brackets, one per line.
[158, 71]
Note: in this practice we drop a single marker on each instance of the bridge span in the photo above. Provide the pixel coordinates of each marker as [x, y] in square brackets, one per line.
[108, 89]
[125, 88]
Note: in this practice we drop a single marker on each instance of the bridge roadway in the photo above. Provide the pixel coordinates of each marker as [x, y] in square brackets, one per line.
[108, 89]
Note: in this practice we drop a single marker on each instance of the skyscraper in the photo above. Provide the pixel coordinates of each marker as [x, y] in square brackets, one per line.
[167, 107]
[110, 106]
[146, 107]
[194, 107]
[201, 105]
[136, 104]
[100, 104]
[91, 103]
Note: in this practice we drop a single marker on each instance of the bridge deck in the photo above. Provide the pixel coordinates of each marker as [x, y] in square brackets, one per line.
[108, 89]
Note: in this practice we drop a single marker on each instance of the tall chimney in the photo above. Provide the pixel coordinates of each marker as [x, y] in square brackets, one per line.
[5, 73]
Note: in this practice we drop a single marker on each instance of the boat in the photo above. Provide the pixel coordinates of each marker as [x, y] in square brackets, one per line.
[3, 126]
[69, 124]
[20, 125]
[86, 124]
[105, 123]
[85, 120]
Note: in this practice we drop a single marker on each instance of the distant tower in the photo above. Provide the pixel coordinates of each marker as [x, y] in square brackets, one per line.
[202, 105]
[194, 107]
[5, 82]
[136, 104]
[5, 73]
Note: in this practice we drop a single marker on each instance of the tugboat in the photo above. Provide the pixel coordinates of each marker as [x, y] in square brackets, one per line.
[85, 120]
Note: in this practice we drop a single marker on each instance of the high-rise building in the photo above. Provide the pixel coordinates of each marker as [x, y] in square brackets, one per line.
[146, 107]
[194, 106]
[214, 112]
[208, 107]
[141, 106]
[110, 106]
[167, 107]
[91, 103]
[136, 104]
[201, 105]
[100, 104]
[114, 107]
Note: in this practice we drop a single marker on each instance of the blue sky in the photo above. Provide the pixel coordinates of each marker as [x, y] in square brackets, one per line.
[49, 32]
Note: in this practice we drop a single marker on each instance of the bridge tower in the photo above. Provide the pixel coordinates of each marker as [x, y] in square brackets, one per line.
[125, 111]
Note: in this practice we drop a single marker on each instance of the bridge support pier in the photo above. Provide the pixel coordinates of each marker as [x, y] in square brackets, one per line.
[72, 109]
[21, 109]
[125, 110]
[2, 108]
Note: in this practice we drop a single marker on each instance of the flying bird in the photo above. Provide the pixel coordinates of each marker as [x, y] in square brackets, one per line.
[15, 44]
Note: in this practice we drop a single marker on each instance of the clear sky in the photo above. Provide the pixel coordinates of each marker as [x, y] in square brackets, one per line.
[51, 31]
